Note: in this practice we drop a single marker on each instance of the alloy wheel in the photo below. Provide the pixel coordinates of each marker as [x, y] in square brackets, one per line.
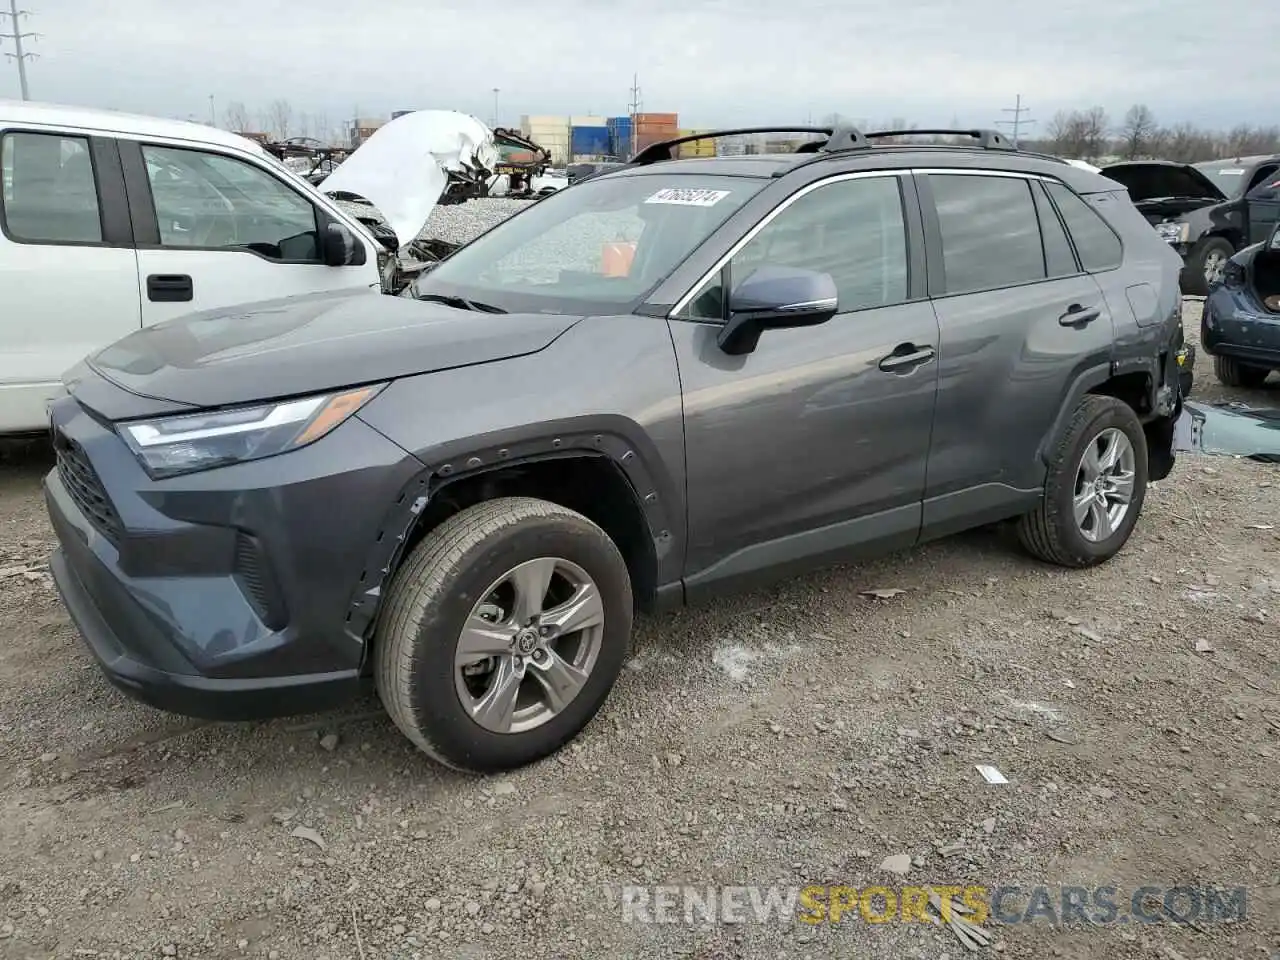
[1104, 485]
[1214, 264]
[528, 647]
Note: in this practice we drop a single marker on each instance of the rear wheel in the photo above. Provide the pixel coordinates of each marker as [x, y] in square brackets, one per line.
[1095, 487]
[503, 634]
[1205, 263]
[1233, 373]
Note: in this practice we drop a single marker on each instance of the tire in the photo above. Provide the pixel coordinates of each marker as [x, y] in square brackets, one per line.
[1051, 532]
[1233, 373]
[1195, 282]
[433, 595]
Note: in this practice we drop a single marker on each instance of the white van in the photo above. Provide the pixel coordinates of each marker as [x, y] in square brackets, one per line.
[110, 222]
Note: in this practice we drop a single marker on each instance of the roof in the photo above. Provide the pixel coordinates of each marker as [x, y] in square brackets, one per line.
[1237, 161]
[884, 157]
[33, 114]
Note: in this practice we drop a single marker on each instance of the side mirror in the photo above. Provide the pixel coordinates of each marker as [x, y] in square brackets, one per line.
[340, 247]
[773, 297]
[1273, 241]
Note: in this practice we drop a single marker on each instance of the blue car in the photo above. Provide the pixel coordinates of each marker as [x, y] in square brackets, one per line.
[1240, 327]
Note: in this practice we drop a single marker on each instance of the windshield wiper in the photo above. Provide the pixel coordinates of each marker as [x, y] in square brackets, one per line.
[462, 303]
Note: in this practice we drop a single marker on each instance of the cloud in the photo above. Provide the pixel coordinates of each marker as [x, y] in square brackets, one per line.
[714, 62]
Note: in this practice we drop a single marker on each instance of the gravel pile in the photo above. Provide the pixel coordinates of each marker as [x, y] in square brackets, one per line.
[454, 223]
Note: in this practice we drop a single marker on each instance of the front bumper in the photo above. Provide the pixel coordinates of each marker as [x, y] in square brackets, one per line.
[223, 594]
[1235, 325]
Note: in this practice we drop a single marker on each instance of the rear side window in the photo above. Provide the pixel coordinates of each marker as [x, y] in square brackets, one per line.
[1096, 243]
[990, 232]
[50, 193]
[1059, 261]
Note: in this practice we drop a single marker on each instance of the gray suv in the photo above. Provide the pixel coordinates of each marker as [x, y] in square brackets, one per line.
[668, 379]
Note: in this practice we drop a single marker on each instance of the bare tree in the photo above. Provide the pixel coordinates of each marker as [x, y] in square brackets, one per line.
[279, 118]
[304, 125]
[1095, 125]
[236, 117]
[1138, 132]
[1189, 144]
[1066, 134]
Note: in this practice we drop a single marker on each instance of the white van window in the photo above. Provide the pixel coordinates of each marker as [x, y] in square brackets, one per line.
[50, 195]
[215, 202]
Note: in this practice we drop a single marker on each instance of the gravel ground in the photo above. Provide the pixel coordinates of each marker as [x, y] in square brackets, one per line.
[796, 735]
[457, 222]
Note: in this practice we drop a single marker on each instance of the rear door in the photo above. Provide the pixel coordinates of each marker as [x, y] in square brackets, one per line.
[1019, 321]
[67, 265]
[215, 230]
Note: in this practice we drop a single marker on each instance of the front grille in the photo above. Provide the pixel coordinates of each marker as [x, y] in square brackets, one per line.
[82, 483]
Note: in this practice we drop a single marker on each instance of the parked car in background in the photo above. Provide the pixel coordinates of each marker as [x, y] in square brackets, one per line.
[111, 222]
[1206, 211]
[1240, 326]
[463, 495]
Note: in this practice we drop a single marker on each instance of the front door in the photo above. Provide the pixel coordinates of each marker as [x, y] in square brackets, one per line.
[1263, 199]
[67, 265]
[223, 232]
[815, 442]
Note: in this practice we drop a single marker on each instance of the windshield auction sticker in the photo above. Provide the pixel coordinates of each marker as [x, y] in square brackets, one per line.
[688, 197]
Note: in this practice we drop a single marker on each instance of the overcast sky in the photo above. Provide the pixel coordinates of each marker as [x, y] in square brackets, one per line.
[715, 62]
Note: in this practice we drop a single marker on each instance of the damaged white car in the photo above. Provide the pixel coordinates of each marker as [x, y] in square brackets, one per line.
[111, 222]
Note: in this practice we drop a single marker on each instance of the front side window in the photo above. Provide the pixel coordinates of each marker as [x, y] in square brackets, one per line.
[50, 193]
[214, 202]
[990, 232]
[596, 247]
[1096, 243]
[853, 230]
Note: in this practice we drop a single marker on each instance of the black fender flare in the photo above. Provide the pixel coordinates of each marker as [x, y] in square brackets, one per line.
[619, 439]
[1084, 381]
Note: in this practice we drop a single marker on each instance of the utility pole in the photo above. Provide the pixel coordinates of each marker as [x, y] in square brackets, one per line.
[634, 107]
[17, 37]
[495, 107]
[213, 117]
[1017, 122]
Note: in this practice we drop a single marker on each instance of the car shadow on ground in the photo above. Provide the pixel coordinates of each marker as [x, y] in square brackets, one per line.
[745, 639]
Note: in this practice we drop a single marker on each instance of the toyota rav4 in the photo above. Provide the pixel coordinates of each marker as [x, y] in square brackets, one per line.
[670, 378]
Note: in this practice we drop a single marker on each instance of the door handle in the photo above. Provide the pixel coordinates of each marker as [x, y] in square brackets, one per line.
[906, 357]
[1078, 315]
[170, 288]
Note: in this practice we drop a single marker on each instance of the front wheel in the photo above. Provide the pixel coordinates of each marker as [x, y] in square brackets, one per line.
[1095, 488]
[1205, 264]
[503, 634]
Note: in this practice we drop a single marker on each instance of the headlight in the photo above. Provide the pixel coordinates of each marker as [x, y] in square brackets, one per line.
[1174, 231]
[200, 441]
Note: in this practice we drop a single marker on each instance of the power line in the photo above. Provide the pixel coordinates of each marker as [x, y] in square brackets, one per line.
[17, 37]
[1017, 122]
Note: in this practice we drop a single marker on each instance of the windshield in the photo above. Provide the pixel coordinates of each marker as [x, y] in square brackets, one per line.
[1227, 175]
[597, 247]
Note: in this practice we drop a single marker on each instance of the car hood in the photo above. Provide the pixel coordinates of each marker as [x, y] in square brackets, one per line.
[313, 343]
[404, 166]
[1148, 180]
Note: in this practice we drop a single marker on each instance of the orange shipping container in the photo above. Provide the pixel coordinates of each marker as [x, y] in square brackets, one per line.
[665, 119]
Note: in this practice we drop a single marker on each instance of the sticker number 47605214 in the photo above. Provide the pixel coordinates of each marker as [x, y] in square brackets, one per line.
[688, 196]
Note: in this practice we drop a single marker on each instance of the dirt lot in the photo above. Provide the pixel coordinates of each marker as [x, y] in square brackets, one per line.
[795, 736]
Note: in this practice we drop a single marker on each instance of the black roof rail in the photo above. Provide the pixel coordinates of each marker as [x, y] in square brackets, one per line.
[836, 138]
[986, 139]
